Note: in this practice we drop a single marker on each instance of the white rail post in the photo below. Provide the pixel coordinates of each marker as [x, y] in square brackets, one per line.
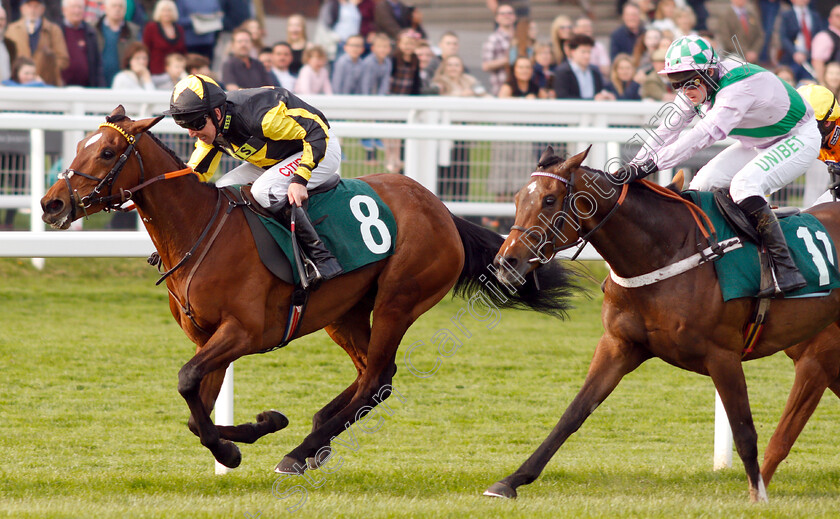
[37, 169]
[224, 409]
[723, 437]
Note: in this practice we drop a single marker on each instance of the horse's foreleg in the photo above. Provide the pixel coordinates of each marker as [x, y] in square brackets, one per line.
[728, 376]
[613, 359]
[225, 346]
[267, 421]
[835, 387]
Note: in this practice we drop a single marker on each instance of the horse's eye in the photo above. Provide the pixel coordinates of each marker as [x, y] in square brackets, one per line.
[108, 154]
[550, 200]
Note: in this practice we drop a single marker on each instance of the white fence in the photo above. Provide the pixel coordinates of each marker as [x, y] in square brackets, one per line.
[423, 122]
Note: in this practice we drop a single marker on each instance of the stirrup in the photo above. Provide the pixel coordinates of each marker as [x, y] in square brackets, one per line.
[312, 275]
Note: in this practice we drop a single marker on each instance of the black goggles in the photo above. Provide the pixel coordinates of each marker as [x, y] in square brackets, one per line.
[826, 127]
[195, 122]
[693, 82]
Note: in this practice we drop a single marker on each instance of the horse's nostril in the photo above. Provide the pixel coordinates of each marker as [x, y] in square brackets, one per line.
[504, 262]
[54, 206]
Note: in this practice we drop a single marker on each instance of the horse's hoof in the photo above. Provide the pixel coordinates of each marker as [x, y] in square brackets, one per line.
[289, 465]
[321, 457]
[500, 490]
[229, 454]
[278, 420]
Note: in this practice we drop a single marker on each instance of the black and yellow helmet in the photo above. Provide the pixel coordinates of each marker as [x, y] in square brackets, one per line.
[195, 97]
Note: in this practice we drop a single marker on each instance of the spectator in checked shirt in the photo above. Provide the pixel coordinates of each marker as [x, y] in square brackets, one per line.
[495, 54]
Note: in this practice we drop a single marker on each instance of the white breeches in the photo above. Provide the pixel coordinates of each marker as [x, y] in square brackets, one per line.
[759, 172]
[271, 185]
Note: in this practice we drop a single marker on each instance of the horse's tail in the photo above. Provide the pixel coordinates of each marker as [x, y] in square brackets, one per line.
[480, 248]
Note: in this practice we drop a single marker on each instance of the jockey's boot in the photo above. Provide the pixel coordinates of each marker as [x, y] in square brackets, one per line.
[326, 266]
[788, 277]
[322, 265]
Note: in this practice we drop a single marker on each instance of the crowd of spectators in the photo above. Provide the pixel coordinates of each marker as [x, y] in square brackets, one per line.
[380, 47]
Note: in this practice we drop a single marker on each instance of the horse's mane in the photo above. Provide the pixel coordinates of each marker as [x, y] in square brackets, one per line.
[637, 187]
[167, 149]
[114, 119]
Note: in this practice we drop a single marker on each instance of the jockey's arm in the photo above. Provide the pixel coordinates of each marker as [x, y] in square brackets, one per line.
[288, 123]
[724, 116]
[673, 117]
[204, 160]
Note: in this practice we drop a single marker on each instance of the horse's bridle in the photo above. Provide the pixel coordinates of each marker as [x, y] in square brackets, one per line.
[581, 241]
[110, 201]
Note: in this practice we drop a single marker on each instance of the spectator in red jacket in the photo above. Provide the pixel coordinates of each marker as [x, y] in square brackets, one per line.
[163, 36]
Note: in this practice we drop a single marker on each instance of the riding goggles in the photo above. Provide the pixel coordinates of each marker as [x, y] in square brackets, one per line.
[195, 122]
[693, 82]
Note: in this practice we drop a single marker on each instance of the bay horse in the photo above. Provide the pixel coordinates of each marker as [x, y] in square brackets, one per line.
[682, 320]
[230, 305]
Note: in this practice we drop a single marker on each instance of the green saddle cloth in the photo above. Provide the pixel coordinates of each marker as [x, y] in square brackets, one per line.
[739, 272]
[352, 221]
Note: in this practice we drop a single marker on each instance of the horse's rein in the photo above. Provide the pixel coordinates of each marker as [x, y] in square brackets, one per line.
[704, 223]
[695, 211]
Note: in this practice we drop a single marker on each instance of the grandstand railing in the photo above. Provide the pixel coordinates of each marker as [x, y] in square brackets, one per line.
[427, 125]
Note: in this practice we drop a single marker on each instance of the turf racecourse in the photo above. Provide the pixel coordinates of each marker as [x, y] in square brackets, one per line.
[91, 424]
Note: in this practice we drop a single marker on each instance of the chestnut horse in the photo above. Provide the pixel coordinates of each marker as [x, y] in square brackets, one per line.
[817, 365]
[230, 305]
[683, 320]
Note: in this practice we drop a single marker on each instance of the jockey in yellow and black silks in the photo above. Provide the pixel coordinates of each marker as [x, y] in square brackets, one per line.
[286, 145]
[827, 111]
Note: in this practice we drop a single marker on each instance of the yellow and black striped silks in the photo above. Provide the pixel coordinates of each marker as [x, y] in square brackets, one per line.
[264, 126]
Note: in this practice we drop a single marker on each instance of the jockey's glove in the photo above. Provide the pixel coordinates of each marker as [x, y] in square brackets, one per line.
[636, 171]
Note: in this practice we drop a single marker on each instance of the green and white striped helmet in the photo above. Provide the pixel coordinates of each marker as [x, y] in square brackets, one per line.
[689, 53]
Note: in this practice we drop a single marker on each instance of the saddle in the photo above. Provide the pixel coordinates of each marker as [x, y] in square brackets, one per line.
[270, 252]
[739, 221]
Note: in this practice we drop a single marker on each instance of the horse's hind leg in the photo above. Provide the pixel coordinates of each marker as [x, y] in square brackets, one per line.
[267, 421]
[352, 333]
[373, 386]
[728, 376]
[817, 364]
[613, 359]
[808, 388]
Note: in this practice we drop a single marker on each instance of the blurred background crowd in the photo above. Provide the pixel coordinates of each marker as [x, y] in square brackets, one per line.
[380, 47]
[604, 51]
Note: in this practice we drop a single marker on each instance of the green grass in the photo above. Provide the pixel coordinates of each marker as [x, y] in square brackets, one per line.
[91, 423]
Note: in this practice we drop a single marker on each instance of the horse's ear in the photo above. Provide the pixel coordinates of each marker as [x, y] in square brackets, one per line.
[547, 154]
[677, 182]
[144, 124]
[575, 161]
[119, 112]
